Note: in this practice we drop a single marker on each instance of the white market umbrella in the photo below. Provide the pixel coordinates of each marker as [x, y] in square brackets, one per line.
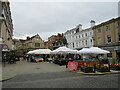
[43, 51]
[97, 50]
[94, 50]
[30, 52]
[40, 51]
[84, 51]
[63, 50]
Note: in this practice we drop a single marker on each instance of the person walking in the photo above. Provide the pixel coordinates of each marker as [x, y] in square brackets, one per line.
[24, 57]
[27, 58]
[50, 59]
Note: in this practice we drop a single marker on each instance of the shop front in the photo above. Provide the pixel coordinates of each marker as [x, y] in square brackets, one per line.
[115, 52]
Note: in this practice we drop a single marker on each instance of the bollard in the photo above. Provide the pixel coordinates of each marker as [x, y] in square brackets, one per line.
[94, 68]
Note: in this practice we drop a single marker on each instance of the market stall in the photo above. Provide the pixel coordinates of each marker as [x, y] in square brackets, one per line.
[40, 54]
[63, 55]
[90, 63]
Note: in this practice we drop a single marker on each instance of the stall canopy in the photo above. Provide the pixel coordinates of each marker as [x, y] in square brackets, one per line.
[40, 51]
[63, 50]
[98, 50]
[84, 51]
[94, 50]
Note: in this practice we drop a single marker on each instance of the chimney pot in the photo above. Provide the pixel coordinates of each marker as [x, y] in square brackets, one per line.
[92, 23]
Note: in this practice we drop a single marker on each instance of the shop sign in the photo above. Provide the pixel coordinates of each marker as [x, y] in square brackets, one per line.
[92, 63]
[72, 65]
[111, 48]
[80, 63]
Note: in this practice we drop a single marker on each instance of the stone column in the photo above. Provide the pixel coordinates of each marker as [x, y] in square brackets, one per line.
[114, 56]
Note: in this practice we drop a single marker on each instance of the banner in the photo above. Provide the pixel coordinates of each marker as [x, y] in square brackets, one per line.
[73, 65]
[80, 63]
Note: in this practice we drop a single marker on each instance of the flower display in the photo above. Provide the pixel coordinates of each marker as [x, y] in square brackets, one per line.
[115, 66]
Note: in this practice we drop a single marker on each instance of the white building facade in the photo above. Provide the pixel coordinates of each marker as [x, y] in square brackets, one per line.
[79, 38]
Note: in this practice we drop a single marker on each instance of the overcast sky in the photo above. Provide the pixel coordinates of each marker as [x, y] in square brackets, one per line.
[49, 18]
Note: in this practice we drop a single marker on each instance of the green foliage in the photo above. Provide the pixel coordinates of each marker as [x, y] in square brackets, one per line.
[113, 61]
[17, 54]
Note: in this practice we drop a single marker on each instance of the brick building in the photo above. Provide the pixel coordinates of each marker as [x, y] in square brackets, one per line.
[52, 39]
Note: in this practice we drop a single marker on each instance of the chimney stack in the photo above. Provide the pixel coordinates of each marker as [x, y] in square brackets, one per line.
[80, 27]
[92, 23]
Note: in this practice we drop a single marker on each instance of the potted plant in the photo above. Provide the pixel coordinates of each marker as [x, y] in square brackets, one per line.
[115, 66]
[86, 68]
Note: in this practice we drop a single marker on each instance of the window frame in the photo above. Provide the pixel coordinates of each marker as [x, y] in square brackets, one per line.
[109, 38]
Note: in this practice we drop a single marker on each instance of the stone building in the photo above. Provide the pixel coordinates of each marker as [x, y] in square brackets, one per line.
[6, 26]
[107, 36]
[46, 44]
[30, 43]
[52, 39]
[79, 38]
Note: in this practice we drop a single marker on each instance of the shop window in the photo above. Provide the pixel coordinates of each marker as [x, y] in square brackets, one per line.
[109, 55]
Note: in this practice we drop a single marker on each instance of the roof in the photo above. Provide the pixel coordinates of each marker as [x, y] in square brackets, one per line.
[107, 22]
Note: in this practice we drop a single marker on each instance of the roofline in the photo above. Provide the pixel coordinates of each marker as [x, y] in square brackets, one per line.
[107, 22]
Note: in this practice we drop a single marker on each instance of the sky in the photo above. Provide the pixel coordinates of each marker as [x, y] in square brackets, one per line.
[50, 18]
